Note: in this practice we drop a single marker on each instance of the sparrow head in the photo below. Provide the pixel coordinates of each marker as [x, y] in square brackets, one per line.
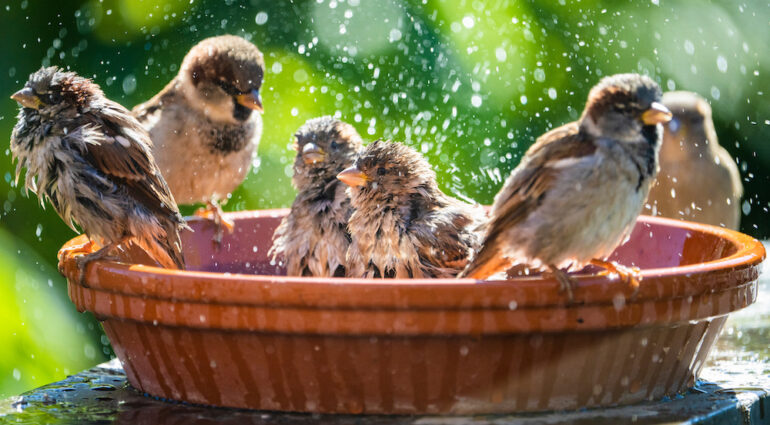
[325, 146]
[51, 90]
[222, 76]
[390, 168]
[691, 130]
[622, 106]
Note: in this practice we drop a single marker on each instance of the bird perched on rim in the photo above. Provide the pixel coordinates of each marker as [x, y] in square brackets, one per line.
[577, 192]
[92, 161]
[402, 225]
[203, 125]
[691, 159]
[313, 239]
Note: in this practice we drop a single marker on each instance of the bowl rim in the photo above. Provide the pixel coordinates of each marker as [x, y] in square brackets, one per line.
[207, 287]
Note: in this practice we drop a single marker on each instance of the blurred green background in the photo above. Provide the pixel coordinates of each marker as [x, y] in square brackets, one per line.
[469, 83]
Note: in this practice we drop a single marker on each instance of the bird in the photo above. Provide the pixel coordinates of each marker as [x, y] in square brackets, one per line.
[403, 225]
[92, 161]
[312, 240]
[691, 159]
[206, 124]
[577, 192]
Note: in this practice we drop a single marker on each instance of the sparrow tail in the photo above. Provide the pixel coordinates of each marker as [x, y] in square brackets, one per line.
[167, 252]
[485, 264]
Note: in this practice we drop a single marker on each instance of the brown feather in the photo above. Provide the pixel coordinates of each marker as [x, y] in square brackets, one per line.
[522, 193]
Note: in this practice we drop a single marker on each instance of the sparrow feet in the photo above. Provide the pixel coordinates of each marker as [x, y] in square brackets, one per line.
[567, 283]
[85, 259]
[213, 211]
[630, 275]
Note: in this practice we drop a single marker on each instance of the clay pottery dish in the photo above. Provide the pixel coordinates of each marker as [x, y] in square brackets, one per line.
[234, 331]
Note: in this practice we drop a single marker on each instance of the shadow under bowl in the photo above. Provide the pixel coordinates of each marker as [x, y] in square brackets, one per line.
[234, 331]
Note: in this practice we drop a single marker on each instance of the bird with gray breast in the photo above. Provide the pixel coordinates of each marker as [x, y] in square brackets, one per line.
[578, 190]
[698, 179]
[206, 123]
[313, 238]
[403, 225]
[92, 161]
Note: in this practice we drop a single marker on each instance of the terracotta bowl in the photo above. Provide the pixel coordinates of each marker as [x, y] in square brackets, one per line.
[234, 331]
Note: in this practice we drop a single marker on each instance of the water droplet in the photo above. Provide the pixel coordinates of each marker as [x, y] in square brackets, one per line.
[539, 75]
[500, 54]
[689, 48]
[721, 63]
[261, 18]
[129, 84]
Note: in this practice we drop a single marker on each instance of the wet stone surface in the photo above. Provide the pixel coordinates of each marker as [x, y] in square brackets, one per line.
[734, 389]
[737, 394]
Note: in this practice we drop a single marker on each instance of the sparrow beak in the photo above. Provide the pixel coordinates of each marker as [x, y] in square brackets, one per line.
[251, 100]
[656, 114]
[353, 177]
[27, 98]
[311, 153]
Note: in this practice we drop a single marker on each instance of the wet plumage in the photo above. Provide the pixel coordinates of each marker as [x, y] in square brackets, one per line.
[92, 161]
[205, 124]
[698, 178]
[402, 225]
[577, 192]
[313, 239]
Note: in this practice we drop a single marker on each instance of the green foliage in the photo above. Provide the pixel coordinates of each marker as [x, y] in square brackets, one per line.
[471, 84]
[43, 338]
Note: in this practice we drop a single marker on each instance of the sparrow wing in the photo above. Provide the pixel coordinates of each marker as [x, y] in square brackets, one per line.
[444, 238]
[123, 152]
[144, 111]
[525, 189]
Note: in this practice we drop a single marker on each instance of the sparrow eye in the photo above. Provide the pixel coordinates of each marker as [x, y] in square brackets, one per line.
[54, 98]
[334, 145]
[381, 171]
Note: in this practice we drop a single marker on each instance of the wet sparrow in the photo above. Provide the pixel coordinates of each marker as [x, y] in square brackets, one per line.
[577, 192]
[313, 239]
[402, 225]
[93, 162]
[203, 123]
[698, 179]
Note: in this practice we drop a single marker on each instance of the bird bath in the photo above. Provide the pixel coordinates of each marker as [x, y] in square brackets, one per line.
[234, 331]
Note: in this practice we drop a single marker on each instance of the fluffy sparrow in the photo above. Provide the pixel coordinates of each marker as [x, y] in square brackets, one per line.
[402, 225]
[203, 125]
[313, 239]
[93, 162]
[698, 179]
[577, 192]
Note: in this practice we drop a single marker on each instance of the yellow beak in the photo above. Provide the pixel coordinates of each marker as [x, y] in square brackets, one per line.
[353, 177]
[311, 153]
[656, 114]
[27, 98]
[251, 100]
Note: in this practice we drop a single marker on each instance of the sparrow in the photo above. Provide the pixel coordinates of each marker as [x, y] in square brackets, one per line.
[578, 190]
[92, 161]
[203, 123]
[402, 225]
[312, 240]
[691, 160]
